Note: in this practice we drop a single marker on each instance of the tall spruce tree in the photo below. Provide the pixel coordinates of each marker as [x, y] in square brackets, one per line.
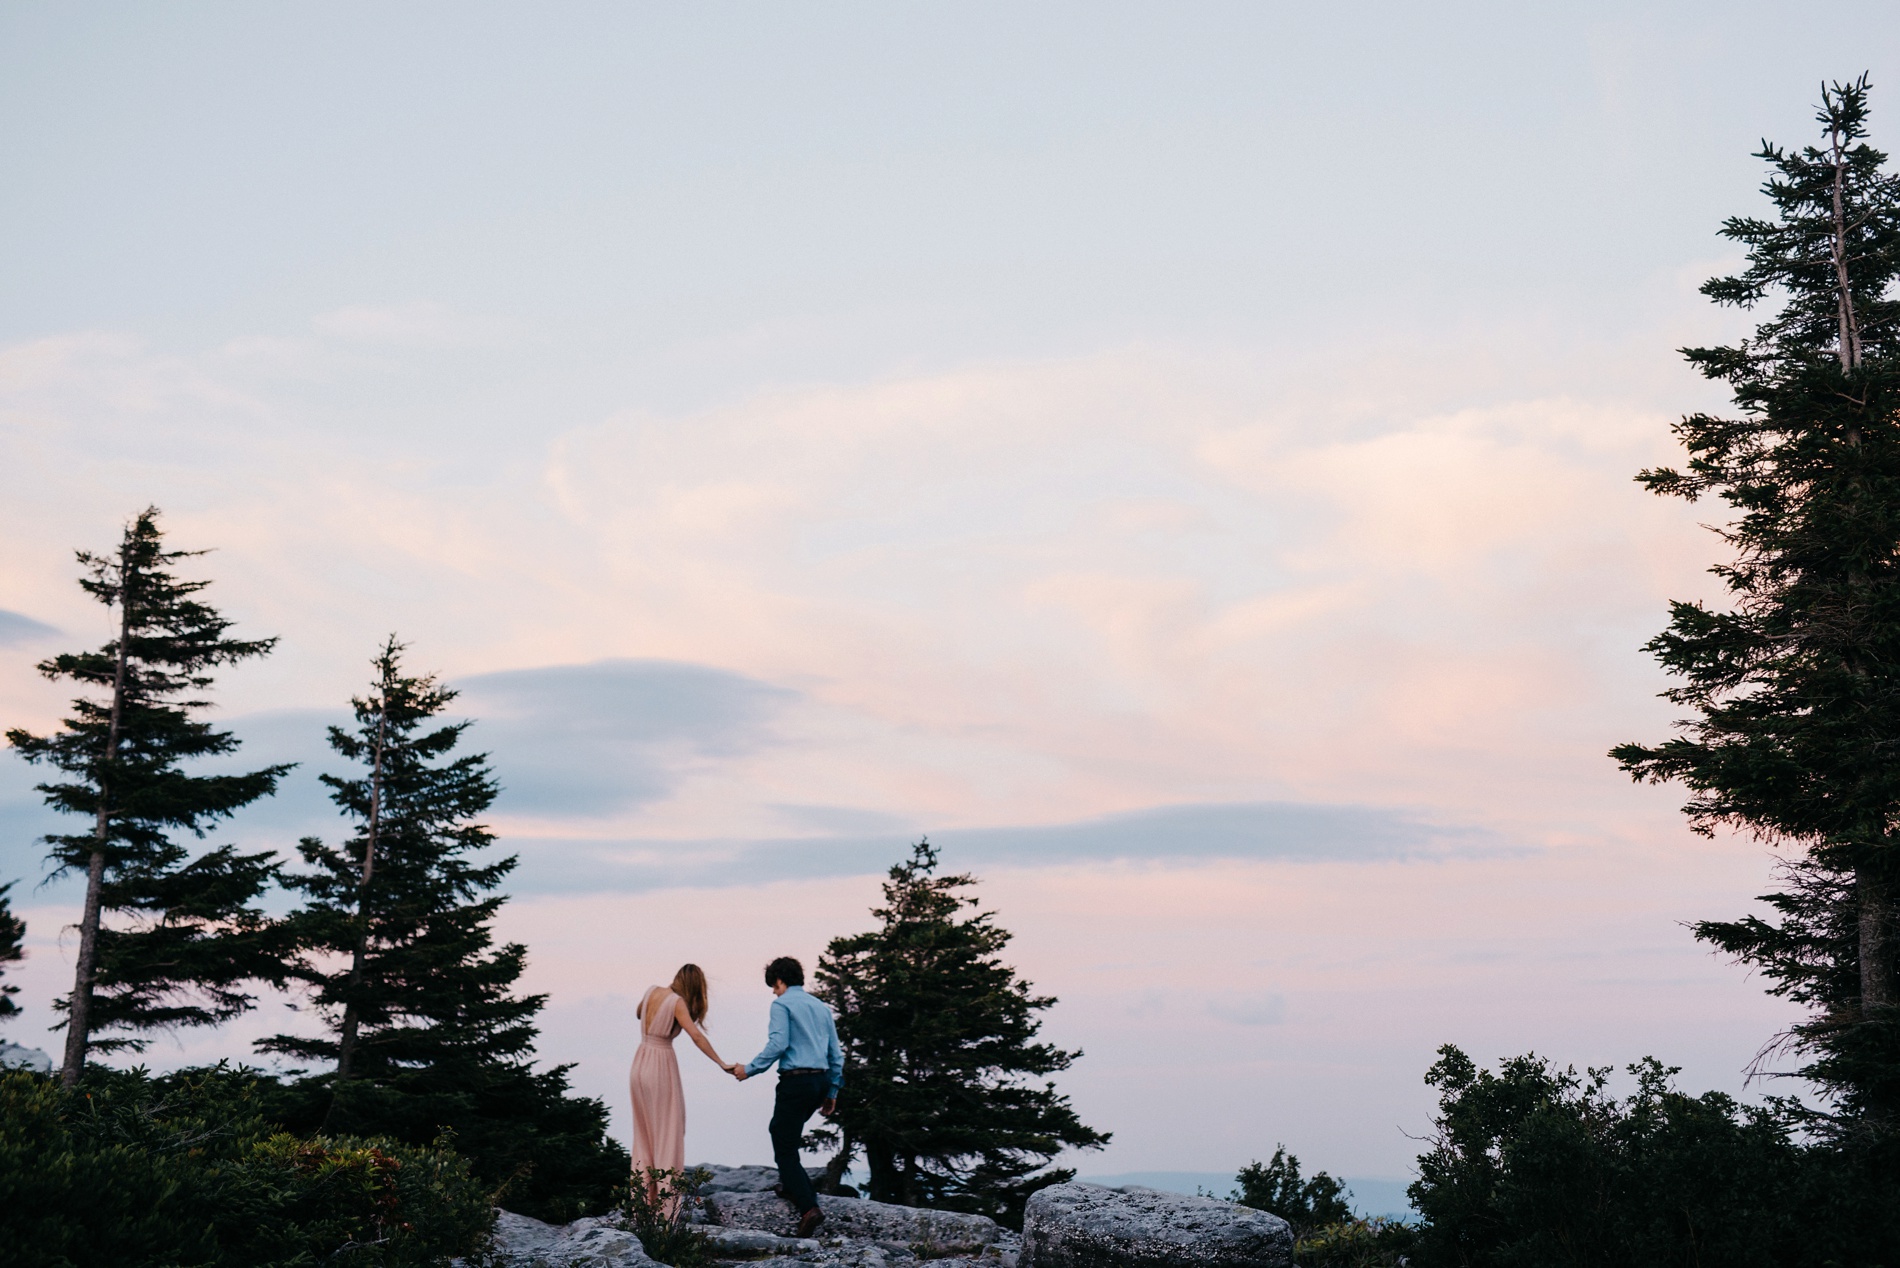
[939, 1040]
[424, 1030]
[1793, 687]
[12, 950]
[186, 937]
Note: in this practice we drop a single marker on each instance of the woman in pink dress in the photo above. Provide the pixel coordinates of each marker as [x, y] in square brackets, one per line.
[659, 1103]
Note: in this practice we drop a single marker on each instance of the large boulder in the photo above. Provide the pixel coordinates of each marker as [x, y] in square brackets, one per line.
[1089, 1226]
[15, 1057]
[855, 1217]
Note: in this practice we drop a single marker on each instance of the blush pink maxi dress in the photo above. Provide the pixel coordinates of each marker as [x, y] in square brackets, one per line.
[659, 1102]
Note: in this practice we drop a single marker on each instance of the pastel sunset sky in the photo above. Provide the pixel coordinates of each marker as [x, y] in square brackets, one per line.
[1177, 457]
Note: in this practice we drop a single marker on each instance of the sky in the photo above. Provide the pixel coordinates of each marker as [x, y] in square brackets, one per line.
[1177, 458]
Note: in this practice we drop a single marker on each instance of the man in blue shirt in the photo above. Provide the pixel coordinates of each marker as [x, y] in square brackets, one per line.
[803, 1041]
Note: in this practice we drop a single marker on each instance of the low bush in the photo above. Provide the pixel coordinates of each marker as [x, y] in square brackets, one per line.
[1532, 1165]
[1326, 1234]
[1357, 1243]
[658, 1208]
[541, 1150]
[186, 1171]
[1276, 1187]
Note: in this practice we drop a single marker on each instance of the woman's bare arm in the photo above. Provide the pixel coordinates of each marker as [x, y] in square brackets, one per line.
[691, 1027]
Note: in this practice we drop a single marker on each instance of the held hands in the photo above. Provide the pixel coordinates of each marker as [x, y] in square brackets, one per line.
[738, 1071]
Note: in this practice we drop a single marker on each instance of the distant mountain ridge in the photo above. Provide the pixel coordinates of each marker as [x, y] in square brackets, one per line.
[1371, 1196]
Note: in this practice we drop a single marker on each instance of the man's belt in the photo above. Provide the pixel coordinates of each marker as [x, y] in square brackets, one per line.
[783, 1073]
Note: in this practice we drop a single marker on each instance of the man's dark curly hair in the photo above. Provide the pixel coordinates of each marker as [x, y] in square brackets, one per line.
[785, 969]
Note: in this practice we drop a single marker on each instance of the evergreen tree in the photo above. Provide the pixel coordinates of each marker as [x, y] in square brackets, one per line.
[1794, 687]
[189, 938]
[423, 1029]
[1276, 1186]
[939, 1038]
[12, 950]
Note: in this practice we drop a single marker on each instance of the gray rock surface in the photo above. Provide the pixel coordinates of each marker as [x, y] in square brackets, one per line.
[857, 1218]
[521, 1242]
[1088, 1226]
[752, 1243]
[14, 1056]
[745, 1223]
[749, 1179]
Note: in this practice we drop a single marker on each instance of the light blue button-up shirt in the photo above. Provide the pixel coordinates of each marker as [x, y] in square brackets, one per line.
[801, 1036]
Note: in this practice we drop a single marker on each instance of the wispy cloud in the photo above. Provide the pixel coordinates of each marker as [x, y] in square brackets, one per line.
[1249, 1010]
[17, 627]
[1022, 593]
[1162, 834]
[578, 741]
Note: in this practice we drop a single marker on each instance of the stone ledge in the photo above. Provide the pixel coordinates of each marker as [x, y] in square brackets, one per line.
[858, 1218]
[1089, 1226]
[747, 1225]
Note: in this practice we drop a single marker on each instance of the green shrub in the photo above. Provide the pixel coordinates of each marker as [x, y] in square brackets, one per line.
[658, 1208]
[1356, 1243]
[1276, 1187]
[185, 1171]
[1532, 1165]
[539, 1149]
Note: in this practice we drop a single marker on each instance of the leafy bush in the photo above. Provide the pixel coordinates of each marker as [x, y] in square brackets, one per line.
[185, 1171]
[539, 1149]
[658, 1211]
[1277, 1188]
[1532, 1165]
[1355, 1243]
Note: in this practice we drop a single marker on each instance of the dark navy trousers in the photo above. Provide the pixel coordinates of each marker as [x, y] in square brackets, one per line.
[799, 1096]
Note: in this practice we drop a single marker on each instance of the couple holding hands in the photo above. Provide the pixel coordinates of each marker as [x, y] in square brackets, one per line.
[801, 1040]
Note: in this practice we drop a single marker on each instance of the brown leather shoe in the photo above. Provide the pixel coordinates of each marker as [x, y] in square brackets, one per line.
[808, 1222]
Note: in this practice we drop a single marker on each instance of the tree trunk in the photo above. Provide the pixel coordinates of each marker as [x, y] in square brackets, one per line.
[882, 1184]
[839, 1164]
[352, 1017]
[1876, 967]
[1844, 294]
[79, 1006]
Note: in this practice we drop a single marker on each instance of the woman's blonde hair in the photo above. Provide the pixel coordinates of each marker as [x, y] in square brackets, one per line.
[690, 985]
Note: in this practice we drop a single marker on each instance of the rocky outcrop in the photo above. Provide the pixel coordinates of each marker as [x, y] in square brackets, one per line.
[746, 1223]
[858, 1218]
[599, 1242]
[753, 1179]
[752, 1243]
[1088, 1226]
[15, 1057]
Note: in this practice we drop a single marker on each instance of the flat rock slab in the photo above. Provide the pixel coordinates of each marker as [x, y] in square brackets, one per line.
[846, 1253]
[521, 1242]
[857, 1218]
[1089, 1226]
[752, 1243]
[13, 1056]
[748, 1179]
[841, 1255]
